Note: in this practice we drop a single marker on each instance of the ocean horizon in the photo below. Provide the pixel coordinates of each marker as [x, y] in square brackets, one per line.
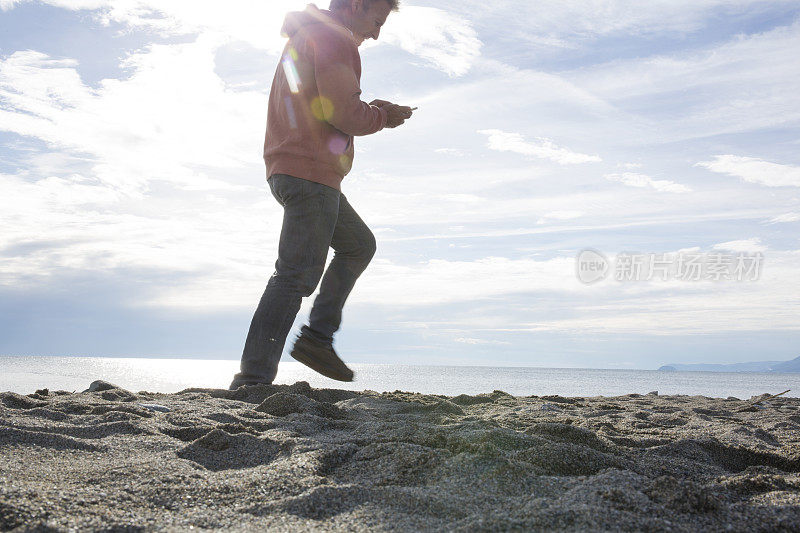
[26, 374]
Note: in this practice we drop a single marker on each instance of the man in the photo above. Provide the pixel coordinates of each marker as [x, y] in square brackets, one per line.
[314, 112]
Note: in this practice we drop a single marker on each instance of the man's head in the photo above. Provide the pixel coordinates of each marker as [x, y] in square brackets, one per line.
[366, 17]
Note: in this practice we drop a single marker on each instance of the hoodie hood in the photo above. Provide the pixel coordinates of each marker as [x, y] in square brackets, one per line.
[296, 20]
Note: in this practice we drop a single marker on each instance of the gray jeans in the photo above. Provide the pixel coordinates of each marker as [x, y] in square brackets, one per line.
[315, 217]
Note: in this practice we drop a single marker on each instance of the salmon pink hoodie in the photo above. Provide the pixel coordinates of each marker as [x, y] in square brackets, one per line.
[315, 108]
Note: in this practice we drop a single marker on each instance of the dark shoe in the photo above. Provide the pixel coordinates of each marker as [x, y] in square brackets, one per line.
[320, 358]
[236, 384]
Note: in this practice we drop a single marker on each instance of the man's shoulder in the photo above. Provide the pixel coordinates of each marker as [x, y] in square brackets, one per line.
[330, 35]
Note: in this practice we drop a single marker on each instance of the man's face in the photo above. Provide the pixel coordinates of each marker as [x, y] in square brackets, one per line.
[367, 22]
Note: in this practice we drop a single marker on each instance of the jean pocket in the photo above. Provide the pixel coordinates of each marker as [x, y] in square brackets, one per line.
[272, 188]
[284, 187]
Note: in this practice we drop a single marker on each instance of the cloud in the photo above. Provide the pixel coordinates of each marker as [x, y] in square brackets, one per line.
[746, 83]
[642, 180]
[744, 245]
[786, 217]
[438, 281]
[450, 151]
[560, 215]
[577, 20]
[257, 23]
[444, 40]
[131, 134]
[56, 227]
[542, 148]
[133, 178]
[564, 215]
[470, 340]
[553, 304]
[5, 5]
[755, 170]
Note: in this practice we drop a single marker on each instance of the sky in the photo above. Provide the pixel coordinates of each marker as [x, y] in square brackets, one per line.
[137, 222]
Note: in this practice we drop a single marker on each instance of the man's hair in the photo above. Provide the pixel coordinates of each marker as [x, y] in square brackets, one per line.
[342, 4]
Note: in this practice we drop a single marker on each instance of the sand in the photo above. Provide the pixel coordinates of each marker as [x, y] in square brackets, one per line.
[293, 458]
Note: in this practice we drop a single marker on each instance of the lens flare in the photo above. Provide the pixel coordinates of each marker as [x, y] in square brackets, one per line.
[290, 70]
[322, 108]
[338, 144]
[287, 102]
[345, 163]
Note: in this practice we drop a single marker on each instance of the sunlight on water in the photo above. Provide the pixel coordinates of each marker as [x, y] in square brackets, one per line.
[27, 374]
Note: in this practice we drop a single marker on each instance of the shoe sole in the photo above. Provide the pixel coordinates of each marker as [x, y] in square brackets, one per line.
[320, 368]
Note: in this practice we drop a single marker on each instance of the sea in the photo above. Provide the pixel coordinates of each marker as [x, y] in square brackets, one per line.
[26, 374]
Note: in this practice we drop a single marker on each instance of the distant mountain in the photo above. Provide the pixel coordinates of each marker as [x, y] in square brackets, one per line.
[787, 366]
[760, 366]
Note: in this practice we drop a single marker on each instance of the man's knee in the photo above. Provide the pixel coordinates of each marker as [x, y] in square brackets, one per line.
[308, 281]
[303, 281]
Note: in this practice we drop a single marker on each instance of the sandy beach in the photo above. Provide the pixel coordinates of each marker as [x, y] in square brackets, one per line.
[294, 458]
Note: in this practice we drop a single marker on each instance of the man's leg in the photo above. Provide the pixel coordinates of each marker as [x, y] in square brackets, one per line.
[354, 246]
[310, 211]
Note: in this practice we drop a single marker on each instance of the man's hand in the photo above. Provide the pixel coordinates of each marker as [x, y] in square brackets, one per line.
[397, 114]
[380, 103]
